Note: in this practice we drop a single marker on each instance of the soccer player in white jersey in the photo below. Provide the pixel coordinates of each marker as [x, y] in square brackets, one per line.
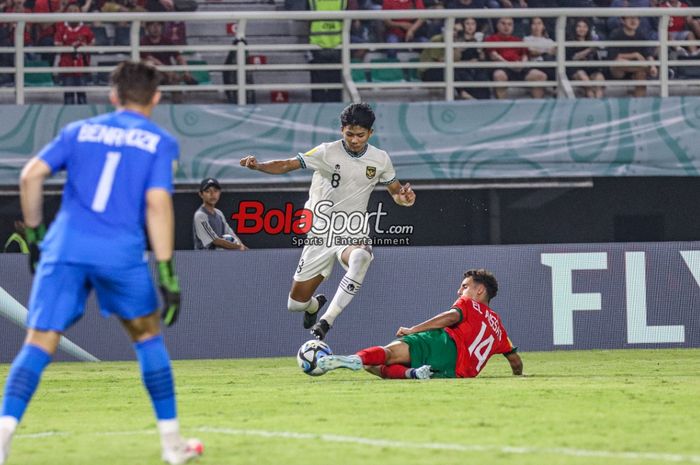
[345, 173]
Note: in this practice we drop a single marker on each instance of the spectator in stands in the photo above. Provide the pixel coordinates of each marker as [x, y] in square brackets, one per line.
[581, 31]
[122, 6]
[437, 55]
[513, 3]
[472, 4]
[648, 25]
[74, 34]
[7, 39]
[512, 54]
[432, 27]
[471, 34]
[403, 30]
[540, 47]
[678, 27]
[327, 35]
[209, 227]
[122, 30]
[154, 36]
[484, 25]
[175, 31]
[630, 30]
[42, 33]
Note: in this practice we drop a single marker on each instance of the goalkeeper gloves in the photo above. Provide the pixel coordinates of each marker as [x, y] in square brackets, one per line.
[170, 290]
[34, 236]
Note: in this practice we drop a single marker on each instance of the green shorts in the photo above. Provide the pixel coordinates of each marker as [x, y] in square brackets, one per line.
[435, 348]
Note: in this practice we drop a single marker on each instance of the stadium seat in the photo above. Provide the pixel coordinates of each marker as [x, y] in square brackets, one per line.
[358, 74]
[386, 74]
[412, 73]
[201, 76]
[38, 79]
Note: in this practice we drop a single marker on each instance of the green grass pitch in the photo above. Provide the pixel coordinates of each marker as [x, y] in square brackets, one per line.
[574, 407]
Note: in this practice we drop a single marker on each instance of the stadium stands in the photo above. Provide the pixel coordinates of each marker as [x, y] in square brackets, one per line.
[285, 63]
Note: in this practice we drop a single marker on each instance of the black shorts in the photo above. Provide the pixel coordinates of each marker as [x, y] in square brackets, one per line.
[513, 74]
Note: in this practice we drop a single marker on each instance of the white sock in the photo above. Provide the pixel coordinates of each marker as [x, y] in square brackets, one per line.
[8, 423]
[358, 264]
[169, 432]
[310, 305]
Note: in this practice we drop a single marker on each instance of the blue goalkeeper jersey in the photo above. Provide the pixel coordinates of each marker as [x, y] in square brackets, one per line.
[111, 161]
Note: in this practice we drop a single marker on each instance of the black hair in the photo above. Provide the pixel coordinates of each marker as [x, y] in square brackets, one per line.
[486, 278]
[571, 33]
[357, 114]
[135, 82]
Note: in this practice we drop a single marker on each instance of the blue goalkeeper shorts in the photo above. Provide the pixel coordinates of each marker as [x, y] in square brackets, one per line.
[60, 290]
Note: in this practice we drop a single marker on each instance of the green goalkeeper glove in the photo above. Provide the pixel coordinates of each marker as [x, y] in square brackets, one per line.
[34, 237]
[170, 290]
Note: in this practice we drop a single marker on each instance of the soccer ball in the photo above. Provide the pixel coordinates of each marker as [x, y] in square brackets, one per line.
[308, 356]
[230, 238]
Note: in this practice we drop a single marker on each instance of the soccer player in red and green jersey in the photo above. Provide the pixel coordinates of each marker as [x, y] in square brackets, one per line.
[454, 344]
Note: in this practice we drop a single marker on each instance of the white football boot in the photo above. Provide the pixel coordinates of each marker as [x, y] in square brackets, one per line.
[423, 372]
[182, 451]
[332, 362]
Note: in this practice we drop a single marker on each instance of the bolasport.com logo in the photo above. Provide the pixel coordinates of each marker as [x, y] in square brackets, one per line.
[322, 225]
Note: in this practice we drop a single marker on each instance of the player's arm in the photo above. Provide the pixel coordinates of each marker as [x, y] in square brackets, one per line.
[443, 320]
[272, 166]
[402, 194]
[160, 223]
[516, 363]
[31, 195]
[31, 190]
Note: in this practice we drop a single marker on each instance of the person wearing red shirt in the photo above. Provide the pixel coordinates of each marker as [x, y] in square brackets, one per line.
[678, 26]
[454, 344]
[405, 29]
[76, 35]
[512, 54]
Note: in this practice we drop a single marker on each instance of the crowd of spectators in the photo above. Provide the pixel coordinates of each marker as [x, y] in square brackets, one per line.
[531, 42]
[78, 34]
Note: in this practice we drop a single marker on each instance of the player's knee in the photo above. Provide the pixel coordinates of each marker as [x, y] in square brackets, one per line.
[296, 306]
[360, 258]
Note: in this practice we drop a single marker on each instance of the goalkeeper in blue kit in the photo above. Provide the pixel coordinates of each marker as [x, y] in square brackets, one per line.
[119, 170]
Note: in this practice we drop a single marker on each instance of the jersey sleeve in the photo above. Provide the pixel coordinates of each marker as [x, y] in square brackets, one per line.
[164, 164]
[314, 159]
[459, 306]
[56, 153]
[388, 175]
[505, 346]
[203, 229]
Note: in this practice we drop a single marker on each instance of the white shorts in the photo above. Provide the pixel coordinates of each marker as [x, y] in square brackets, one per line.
[319, 260]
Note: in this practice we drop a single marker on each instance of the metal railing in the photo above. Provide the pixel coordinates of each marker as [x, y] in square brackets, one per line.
[352, 89]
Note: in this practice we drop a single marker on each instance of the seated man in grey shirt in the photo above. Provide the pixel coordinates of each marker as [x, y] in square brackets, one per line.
[209, 228]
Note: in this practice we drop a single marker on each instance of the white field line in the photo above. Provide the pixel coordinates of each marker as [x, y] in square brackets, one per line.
[512, 450]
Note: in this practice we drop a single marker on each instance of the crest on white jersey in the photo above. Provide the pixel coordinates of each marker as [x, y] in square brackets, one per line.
[370, 172]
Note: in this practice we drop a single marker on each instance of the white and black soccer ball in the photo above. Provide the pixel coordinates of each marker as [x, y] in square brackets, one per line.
[308, 356]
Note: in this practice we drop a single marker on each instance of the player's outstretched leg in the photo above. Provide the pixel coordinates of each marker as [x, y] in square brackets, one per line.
[333, 362]
[22, 381]
[158, 378]
[358, 264]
